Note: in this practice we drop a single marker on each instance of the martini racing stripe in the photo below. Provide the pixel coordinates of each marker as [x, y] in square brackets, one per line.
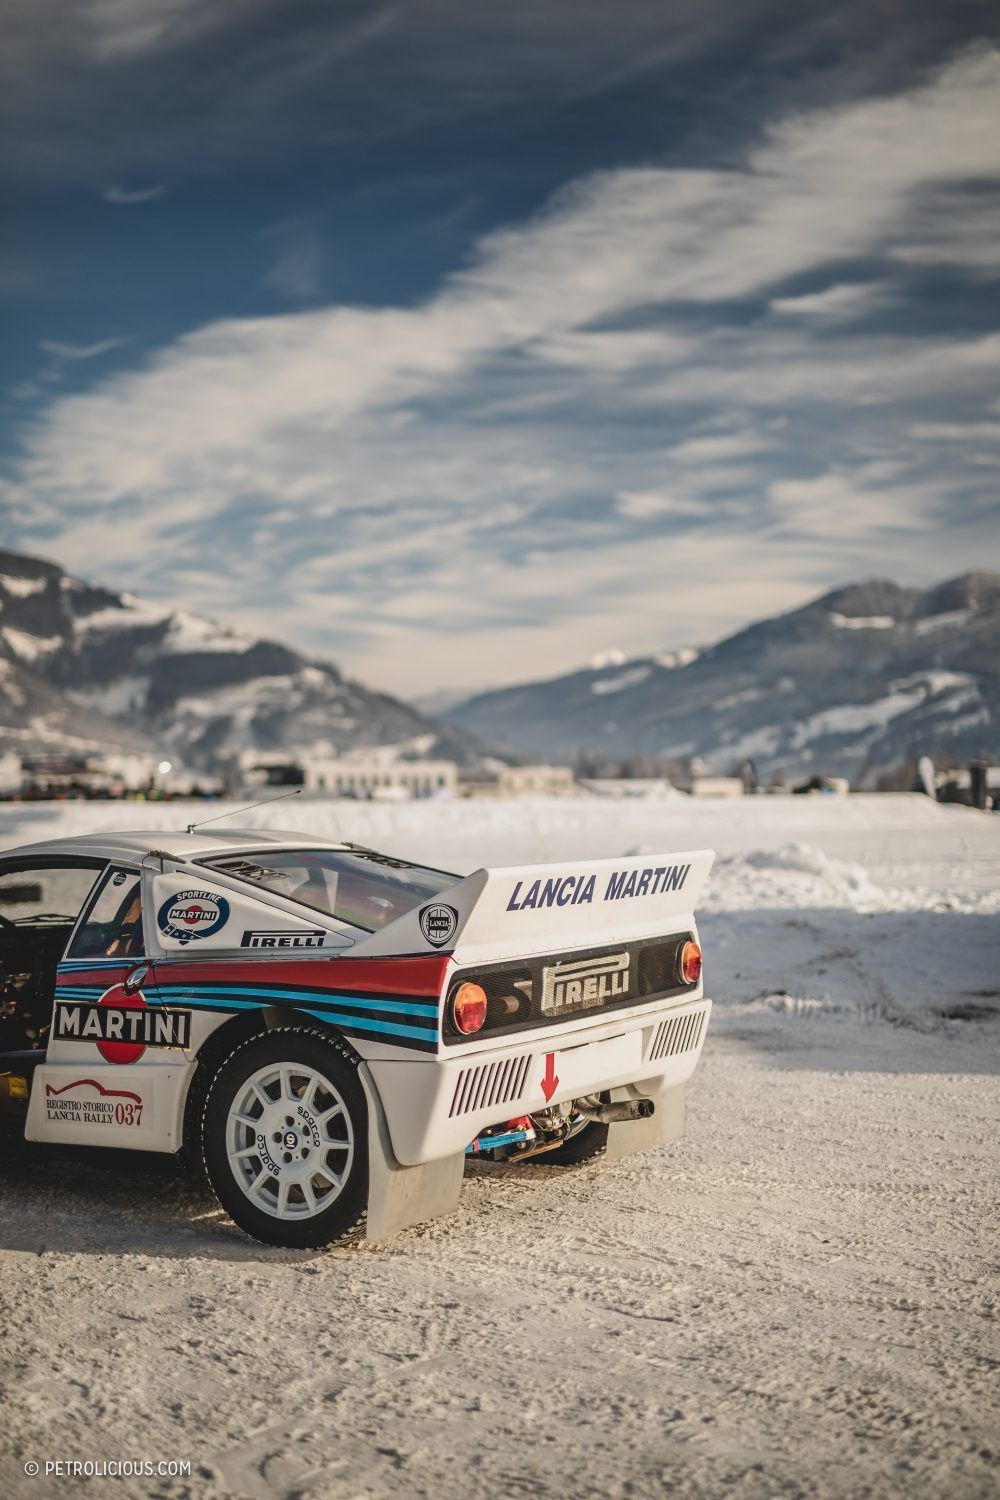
[408, 1022]
[417, 1006]
[374, 1019]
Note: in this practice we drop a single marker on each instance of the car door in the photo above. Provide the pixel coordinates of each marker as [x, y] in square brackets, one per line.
[105, 969]
[41, 898]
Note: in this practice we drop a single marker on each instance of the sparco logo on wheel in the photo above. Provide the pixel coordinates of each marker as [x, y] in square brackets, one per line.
[192, 914]
[438, 924]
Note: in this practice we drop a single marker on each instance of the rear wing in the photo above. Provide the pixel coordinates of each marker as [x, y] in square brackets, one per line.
[528, 909]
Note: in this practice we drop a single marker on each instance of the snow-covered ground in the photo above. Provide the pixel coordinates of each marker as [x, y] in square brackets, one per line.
[794, 1301]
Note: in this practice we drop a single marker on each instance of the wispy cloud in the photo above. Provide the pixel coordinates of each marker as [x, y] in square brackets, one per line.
[74, 352]
[848, 300]
[299, 259]
[123, 29]
[128, 196]
[599, 400]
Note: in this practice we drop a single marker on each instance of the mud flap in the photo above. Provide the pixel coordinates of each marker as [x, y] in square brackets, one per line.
[627, 1137]
[398, 1196]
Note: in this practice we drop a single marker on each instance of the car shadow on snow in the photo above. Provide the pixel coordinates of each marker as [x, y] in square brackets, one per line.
[840, 990]
[93, 1202]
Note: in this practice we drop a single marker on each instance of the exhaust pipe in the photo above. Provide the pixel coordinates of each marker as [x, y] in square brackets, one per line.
[625, 1109]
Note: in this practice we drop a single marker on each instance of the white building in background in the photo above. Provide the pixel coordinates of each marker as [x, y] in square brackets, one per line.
[713, 786]
[378, 777]
[520, 781]
[375, 773]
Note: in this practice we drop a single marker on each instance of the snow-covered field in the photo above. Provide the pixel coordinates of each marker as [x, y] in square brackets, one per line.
[798, 1300]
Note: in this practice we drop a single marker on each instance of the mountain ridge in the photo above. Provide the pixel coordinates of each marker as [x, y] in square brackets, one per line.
[849, 683]
[82, 666]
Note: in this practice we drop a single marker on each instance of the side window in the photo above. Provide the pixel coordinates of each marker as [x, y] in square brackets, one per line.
[113, 925]
[38, 896]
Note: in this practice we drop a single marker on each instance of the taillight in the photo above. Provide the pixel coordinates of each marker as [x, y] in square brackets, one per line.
[689, 963]
[468, 1008]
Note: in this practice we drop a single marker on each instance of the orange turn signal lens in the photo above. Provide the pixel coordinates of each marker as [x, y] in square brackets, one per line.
[689, 963]
[468, 1008]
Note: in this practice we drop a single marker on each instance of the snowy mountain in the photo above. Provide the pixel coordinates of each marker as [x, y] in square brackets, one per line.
[849, 685]
[83, 668]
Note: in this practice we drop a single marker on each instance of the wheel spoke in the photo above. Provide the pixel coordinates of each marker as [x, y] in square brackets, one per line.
[329, 1176]
[308, 1194]
[246, 1151]
[330, 1114]
[249, 1121]
[282, 1196]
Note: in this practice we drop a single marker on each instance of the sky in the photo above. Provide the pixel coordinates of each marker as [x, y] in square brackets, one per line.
[461, 342]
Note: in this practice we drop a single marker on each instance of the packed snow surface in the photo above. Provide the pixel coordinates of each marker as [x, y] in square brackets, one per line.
[794, 1301]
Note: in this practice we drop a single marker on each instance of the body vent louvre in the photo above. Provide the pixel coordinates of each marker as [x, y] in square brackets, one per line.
[489, 1084]
[676, 1035]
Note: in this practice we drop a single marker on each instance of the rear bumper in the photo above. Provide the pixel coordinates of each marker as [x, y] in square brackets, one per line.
[435, 1106]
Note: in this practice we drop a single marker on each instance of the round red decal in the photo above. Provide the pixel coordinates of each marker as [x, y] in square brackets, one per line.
[122, 1051]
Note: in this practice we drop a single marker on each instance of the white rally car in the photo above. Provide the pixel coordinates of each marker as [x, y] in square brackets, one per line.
[335, 1030]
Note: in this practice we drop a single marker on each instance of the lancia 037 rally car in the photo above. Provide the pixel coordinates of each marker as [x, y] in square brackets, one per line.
[335, 1030]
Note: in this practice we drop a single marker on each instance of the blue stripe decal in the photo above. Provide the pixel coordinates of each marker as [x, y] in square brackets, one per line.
[96, 963]
[349, 1023]
[317, 997]
[359, 1023]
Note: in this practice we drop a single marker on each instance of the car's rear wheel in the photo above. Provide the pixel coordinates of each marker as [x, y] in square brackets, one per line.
[285, 1138]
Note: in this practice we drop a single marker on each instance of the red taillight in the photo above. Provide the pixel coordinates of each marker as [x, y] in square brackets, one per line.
[468, 1008]
[690, 963]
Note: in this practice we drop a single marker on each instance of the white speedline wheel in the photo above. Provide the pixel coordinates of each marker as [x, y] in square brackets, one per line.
[289, 1140]
[285, 1138]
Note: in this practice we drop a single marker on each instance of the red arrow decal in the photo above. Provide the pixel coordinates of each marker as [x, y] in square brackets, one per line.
[550, 1082]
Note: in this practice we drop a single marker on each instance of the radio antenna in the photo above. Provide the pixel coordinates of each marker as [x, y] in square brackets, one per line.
[233, 811]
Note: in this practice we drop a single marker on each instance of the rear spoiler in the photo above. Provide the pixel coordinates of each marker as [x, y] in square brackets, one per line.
[529, 909]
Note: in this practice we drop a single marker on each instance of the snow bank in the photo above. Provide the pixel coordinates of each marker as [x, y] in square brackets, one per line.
[792, 875]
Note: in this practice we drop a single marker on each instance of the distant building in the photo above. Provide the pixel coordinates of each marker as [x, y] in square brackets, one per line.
[713, 786]
[377, 774]
[520, 781]
[375, 777]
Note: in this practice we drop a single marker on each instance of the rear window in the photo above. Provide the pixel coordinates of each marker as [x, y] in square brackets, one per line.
[358, 886]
